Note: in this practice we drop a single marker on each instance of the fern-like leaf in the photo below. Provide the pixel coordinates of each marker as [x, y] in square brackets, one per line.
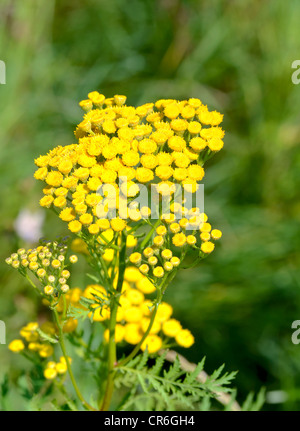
[171, 387]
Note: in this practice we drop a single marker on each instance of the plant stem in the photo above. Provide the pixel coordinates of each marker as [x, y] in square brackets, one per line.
[109, 243]
[64, 309]
[33, 285]
[112, 351]
[149, 234]
[64, 352]
[112, 357]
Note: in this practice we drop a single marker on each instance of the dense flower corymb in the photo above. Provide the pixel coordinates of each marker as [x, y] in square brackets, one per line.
[165, 143]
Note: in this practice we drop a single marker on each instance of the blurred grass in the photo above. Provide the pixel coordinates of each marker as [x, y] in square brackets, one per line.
[236, 57]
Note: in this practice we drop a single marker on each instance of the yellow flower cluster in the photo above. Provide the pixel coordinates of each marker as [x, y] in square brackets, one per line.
[34, 343]
[48, 263]
[134, 313]
[158, 259]
[53, 369]
[166, 143]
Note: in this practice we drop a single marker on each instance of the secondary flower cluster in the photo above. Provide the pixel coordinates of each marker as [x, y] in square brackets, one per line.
[157, 259]
[133, 314]
[54, 369]
[34, 344]
[48, 263]
[32, 340]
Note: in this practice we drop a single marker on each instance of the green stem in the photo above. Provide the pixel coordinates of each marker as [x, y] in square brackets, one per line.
[103, 265]
[149, 234]
[112, 357]
[113, 266]
[64, 352]
[99, 262]
[112, 350]
[33, 285]
[65, 309]
[109, 243]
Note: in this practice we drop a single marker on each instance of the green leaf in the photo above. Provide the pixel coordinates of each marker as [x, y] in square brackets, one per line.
[251, 405]
[172, 388]
[194, 374]
[94, 278]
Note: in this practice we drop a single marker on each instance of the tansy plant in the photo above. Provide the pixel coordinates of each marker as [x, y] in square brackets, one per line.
[128, 190]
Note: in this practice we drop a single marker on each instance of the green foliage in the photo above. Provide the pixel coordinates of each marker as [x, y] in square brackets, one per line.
[159, 388]
[90, 306]
[251, 404]
[4, 389]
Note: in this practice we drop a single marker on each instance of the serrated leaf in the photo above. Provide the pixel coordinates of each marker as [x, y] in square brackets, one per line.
[251, 405]
[143, 361]
[78, 313]
[157, 367]
[143, 384]
[170, 389]
[191, 377]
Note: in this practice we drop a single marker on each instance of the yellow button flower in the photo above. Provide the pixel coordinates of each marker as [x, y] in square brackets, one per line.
[145, 285]
[46, 350]
[75, 226]
[164, 312]
[216, 234]
[179, 239]
[184, 338]
[207, 247]
[50, 373]
[16, 346]
[133, 314]
[152, 343]
[132, 333]
[132, 274]
[171, 327]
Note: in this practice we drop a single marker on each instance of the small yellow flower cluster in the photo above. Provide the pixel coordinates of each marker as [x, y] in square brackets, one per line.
[134, 313]
[48, 263]
[158, 259]
[33, 343]
[133, 321]
[16, 346]
[53, 369]
[30, 334]
[166, 143]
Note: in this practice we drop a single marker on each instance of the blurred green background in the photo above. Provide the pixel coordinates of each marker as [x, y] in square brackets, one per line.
[236, 57]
